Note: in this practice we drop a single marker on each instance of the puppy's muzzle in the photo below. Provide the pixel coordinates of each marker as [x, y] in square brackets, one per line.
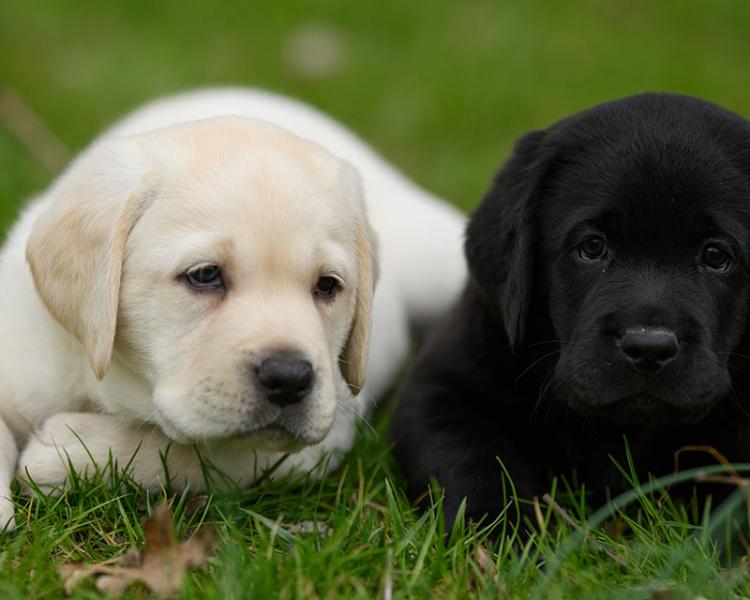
[284, 379]
[648, 349]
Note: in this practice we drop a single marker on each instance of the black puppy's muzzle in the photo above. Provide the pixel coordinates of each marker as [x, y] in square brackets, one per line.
[648, 349]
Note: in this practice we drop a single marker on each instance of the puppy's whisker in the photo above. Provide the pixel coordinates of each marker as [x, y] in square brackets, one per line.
[536, 362]
[735, 398]
[549, 378]
[344, 407]
[543, 342]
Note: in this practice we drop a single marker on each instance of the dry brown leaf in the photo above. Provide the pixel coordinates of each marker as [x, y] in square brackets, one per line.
[160, 567]
[112, 585]
[310, 527]
[487, 566]
[576, 527]
[483, 561]
[667, 593]
[195, 504]
[74, 574]
[732, 478]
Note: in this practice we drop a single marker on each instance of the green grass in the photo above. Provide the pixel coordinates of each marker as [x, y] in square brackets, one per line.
[372, 541]
[442, 89]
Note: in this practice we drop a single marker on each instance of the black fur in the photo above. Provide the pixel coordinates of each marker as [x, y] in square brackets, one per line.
[529, 368]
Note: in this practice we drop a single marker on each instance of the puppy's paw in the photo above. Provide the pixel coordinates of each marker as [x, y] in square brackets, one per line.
[42, 466]
[65, 441]
[7, 514]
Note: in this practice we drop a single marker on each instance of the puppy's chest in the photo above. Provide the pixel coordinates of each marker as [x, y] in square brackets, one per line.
[606, 459]
[599, 465]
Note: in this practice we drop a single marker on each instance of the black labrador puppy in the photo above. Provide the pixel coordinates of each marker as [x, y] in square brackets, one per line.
[608, 298]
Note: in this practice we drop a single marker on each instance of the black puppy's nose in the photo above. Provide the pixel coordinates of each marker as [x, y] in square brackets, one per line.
[649, 349]
[285, 379]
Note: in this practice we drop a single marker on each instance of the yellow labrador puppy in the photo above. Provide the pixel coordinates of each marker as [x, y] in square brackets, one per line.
[199, 285]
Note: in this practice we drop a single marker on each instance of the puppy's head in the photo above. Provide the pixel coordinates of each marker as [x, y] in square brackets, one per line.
[626, 229]
[228, 265]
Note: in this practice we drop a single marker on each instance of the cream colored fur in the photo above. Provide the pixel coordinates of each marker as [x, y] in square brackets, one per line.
[105, 344]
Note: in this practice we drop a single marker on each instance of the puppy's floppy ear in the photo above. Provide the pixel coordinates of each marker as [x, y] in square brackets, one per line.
[353, 360]
[76, 248]
[501, 236]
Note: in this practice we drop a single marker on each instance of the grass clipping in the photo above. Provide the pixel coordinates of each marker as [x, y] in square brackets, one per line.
[161, 565]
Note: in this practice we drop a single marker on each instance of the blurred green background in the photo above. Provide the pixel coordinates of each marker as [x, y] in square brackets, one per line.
[441, 88]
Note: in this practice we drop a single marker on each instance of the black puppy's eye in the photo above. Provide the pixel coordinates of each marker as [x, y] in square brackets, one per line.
[205, 277]
[716, 257]
[592, 248]
[327, 287]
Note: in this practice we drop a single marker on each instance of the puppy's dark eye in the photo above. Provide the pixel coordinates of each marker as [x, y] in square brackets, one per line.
[205, 277]
[327, 287]
[592, 248]
[716, 257]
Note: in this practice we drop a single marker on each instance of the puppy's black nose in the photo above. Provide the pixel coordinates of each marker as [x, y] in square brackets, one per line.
[649, 349]
[285, 379]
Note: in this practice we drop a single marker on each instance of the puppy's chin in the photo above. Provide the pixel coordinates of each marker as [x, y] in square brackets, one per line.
[596, 382]
[277, 436]
[643, 410]
[274, 438]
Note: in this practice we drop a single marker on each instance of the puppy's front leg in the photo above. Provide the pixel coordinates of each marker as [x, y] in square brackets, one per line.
[471, 468]
[8, 457]
[438, 434]
[85, 441]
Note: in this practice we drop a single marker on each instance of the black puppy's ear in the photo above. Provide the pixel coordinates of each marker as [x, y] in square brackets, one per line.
[501, 235]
